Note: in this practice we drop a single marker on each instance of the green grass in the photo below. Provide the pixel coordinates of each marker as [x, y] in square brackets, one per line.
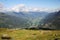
[31, 34]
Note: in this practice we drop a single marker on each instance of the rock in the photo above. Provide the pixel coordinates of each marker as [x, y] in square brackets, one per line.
[5, 37]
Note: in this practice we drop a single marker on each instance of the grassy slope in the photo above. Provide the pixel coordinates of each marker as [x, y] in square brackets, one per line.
[31, 34]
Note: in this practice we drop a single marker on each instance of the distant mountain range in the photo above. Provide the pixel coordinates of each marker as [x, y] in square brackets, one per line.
[12, 19]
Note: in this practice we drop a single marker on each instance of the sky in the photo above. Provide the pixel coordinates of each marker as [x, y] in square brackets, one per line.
[32, 3]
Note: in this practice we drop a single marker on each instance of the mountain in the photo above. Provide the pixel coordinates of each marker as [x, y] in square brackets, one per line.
[37, 20]
[9, 21]
[51, 21]
[21, 19]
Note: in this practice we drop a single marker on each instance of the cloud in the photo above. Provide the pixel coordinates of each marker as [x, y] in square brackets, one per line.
[23, 8]
[1, 7]
[35, 9]
[18, 8]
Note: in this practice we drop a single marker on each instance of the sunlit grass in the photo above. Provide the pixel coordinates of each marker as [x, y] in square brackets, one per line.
[31, 34]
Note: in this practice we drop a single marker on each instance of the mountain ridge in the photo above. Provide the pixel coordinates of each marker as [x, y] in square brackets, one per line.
[29, 19]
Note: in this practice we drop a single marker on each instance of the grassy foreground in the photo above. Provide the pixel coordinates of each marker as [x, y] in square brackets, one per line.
[31, 34]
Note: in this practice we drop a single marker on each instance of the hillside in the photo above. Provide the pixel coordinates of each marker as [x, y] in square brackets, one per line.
[9, 21]
[51, 21]
[30, 20]
[21, 19]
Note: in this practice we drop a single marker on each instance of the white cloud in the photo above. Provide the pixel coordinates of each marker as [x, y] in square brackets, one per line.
[18, 8]
[1, 7]
[35, 9]
[23, 8]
